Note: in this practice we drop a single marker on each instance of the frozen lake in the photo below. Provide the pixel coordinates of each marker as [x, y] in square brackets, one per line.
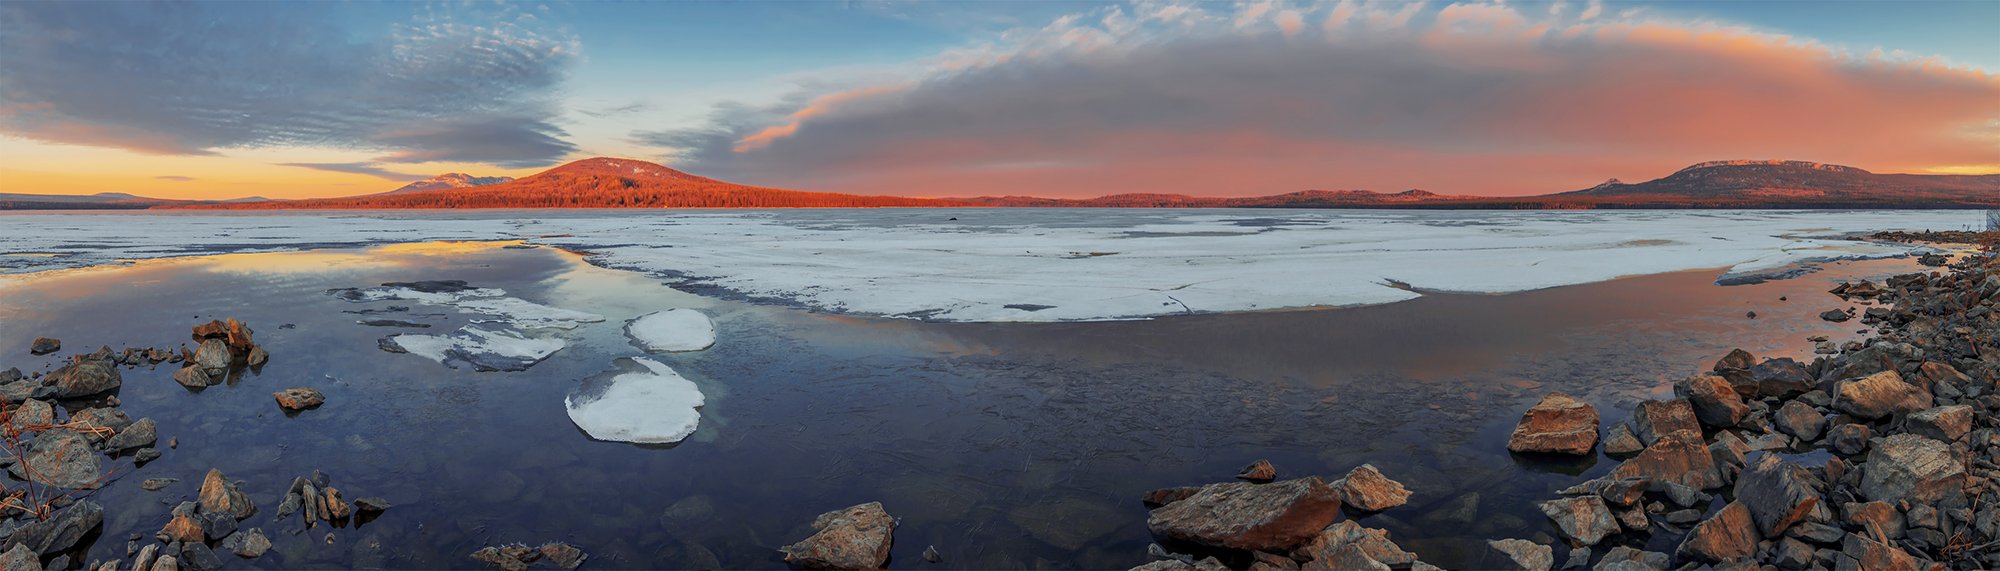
[1003, 265]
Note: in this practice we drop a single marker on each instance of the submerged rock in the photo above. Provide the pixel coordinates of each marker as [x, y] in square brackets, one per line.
[299, 398]
[1366, 489]
[1239, 515]
[1558, 424]
[854, 538]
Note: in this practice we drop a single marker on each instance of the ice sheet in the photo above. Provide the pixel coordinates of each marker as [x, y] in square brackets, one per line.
[485, 349]
[1044, 264]
[673, 330]
[646, 403]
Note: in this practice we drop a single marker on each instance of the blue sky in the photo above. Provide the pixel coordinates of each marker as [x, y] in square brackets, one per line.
[972, 97]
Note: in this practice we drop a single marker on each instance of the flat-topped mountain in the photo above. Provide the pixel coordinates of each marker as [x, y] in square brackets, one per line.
[1792, 183]
[450, 181]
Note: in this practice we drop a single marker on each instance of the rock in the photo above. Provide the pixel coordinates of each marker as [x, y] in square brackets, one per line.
[1677, 458]
[1879, 395]
[562, 555]
[1164, 496]
[19, 558]
[511, 557]
[299, 398]
[140, 434]
[1799, 420]
[62, 531]
[1654, 419]
[219, 495]
[1366, 489]
[1583, 519]
[1519, 555]
[257, 357]
[1715, 402]
[931, 554]
[1347, 558]
[1873, 555]
[83, 378]
[154, 484]
[145, 455]
[217, 525]
[32, 413]
[1622, 558]
[1737, 359]
[248, 544]
[1558, 424]
[1633, 519]
[336, 508]
[1934, 373]
[198, 557]
[1239, 515]
[213, 356]
[1849, 439]
[61, 458]
[1945, 423]
[1777, 493]
[1727, 536]
[1908, 467]
[1781, 378]
[1874, 517]
[371, 505]
[1323, 551]
[1619, 441]
[1792, 554]
[236, 336]
[1259, 471]
[182, 527]
[1834, 315]
[44, 346]
[144, 560]
[854, 538]
[193, 377]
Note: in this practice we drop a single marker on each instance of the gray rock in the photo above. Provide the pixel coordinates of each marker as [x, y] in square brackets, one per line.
[19, 558]
[196, 556]
[213, 357]
[1848, 439]
[853, 538]
[1624, 558]
[217, 525]
[1781, 378]
[1715, 402]
[155, 484]
[1777, 493]
[1799, 420]
[62, 458]
[61, 531]
[83, 378]
[139, 434]
[1584, 519]
[1519, 555]
[1619, 441]
[44, 346]
[1945, 423]
[1908, 467]
[1240, 515]
[1655, 419]
[1324, 550]
[219, 495]
[1879, 395]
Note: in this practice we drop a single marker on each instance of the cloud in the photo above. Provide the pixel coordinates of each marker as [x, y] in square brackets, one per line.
[174, 178]
[358, 168]
[194, 78]
[1471, 98]
[626, 109]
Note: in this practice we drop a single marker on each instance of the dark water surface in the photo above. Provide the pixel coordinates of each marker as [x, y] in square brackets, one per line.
[1003, 445]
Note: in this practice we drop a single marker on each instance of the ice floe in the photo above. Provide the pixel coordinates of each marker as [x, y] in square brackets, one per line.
[484, 349]
[1049, 264]
[527, 314]
[643, 402]
[673, 330]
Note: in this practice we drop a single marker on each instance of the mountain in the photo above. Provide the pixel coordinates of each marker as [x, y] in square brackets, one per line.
[449, 181]
[598, 183]
[99, 201]
[1791, 184]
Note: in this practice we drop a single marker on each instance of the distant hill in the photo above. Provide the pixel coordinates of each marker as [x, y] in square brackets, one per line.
[1790, 184]
[599, 183]
[449, 181]
[1301, 199]
[99, 201]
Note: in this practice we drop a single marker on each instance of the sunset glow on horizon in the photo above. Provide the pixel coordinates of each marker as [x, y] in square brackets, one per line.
[1060, 99]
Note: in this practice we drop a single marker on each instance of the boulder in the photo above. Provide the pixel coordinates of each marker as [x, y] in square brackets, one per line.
[213, 356]
[219, 495]
[1678, 458]
[44, 346]
[1259, 471]
[193, 377]
[1777, 493]
[1164, 496]
[83, 378]
[1872, 555]
[1737, 359]
[32, 413]
[1619, 441]
[1781, 378]
[1240, 515]
[1879, 395]
[1849, 439]
[299, 398]
[1366, 489]
[1322, 551]
[61, 458]
[140, 434]
[1654, 419]
[1912, 468]
[1715, 402]
[1518, 555]
[1622, 558]
[249, 544]
[1728, 536]
[1933, 373]
[1347, 558]
[1799, 420]
[235, 336]
[1946, 423]
[62, 531]
[1558, 424]
[1584, 519]
[1874, 518]
[19, 558]
[854, 538]
[1835, 315]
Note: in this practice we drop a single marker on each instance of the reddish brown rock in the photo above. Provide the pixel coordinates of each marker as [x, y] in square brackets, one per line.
[1908, 467]
[1777, 493]
[1715, 401]
[1259, 471]
[219, 495]
[1655, 419]
[1164, 496]
[1879, 395]
[1727, 536]
[854, 538]
[1679, 458]
[299, 398]
[1366, 489]
[1322, 552]
[1240, 515]
[1558, 424]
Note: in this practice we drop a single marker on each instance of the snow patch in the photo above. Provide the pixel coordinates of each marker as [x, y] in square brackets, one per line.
[673, 330]
[485, 349]
[645, 402]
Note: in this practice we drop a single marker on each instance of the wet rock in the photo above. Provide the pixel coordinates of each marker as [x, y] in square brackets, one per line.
[1347, 558]
[1259, 471]
[166, 563]
[145, 455]
[1874, 518]
[1777, 493]
[299, 398]
[1945, 423]
[213, 356]
[217, 525]
[511, 557]
[19, 558]
[1781, 378]
[197, 556]
[1678, 458]
[83, 378]
[144, 559]
[193, 377]
[155, 484]
[1834, 315]
[61, 531]
[1260, 561]
[1584, 520]
[1729, 535]
[249, 544]
[1792, 554]
[138, 434]
[219, 495]
[1873, 555]
[62, 458]
[1655, 419]
[854, 538]
[32, 413]
[1849, 439]
[1164, 496]
[336, 508]
[44, 346]
[1879, 395]
[1519, 555]
[1737, 359]
[931, 554]
[562, 555]
[1715, 402]
[1366, 489]
[1323, 551]
[257, 357]
[1619, 441]
[1239, 515]
[1622, 558]
[19, 389]
[184, 525]
[1799, 420]
[371, 505]
[1908, 467]
[1558, 424]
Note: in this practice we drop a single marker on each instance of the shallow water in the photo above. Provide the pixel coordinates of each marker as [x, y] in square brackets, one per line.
[1002, 445]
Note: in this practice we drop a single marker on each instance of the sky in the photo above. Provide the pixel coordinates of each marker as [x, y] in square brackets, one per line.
[967, 98]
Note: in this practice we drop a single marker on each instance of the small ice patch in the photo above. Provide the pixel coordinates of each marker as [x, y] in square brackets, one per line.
[485, 349]
[644, 402]
[527, 314]
[672, 330]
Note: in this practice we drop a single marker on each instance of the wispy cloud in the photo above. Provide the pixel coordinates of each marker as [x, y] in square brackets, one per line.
[614, 111]
[359, 168]
[1249, 98]
[174, 178]
[193, 78]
